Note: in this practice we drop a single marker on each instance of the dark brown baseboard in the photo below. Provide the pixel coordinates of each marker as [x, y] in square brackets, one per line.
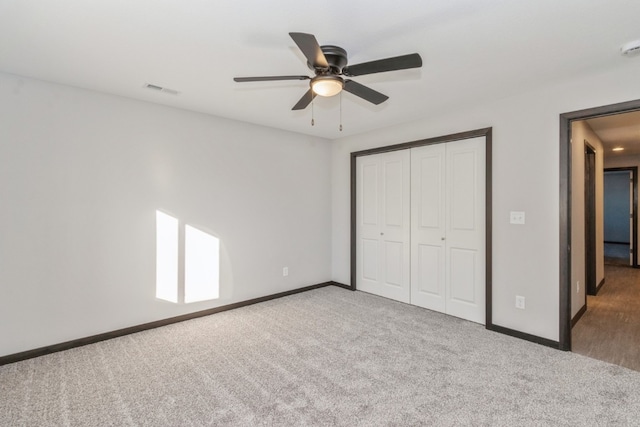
[30, 354]
[522, 335]
[580, 312]
[343, 286]
[598, 287]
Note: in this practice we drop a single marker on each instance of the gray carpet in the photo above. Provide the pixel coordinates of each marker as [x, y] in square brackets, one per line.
[324, 357]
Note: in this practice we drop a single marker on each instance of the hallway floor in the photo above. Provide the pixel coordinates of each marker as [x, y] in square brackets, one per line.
[610, 329]
[616, 253]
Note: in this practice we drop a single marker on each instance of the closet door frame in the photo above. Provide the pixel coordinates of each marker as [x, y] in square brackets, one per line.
[487, 134]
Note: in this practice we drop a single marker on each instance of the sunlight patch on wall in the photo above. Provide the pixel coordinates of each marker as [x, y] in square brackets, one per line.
[201, 267]
[201, 255]
[166, 257]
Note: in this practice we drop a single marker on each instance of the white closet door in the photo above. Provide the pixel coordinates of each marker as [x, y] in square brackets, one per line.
[383, 225]
[448, 228]
[428, 228]
[465, 205]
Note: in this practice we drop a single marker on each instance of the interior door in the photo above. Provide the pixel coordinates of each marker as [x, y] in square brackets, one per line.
[465, 239]
[428, 229]
[383, 229]
[448, 228]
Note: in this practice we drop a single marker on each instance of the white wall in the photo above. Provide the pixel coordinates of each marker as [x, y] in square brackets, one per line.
[525, 178]
[81, 176]
[580, 132]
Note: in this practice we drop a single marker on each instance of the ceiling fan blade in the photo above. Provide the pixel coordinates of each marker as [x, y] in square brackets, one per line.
[311, 49]
[305, 100]
[364, 92]
[269, 78]
[403, 62]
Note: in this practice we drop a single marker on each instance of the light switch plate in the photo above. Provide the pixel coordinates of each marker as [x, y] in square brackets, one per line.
[517, 217]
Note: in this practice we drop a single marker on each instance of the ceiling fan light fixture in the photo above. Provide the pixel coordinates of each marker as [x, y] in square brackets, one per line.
[327, 85]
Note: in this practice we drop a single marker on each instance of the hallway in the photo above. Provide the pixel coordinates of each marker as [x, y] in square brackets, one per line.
[610, 329]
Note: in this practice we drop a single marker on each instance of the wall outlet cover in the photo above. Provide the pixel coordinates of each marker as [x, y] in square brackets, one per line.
[516, 217]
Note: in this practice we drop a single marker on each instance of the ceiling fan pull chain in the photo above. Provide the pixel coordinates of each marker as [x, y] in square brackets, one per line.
[312, 121]
[341, 111]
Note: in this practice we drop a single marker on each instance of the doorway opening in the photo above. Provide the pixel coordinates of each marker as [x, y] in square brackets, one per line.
[567, 287]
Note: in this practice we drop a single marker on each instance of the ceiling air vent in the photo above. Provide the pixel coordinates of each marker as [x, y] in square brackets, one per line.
[631, 48]
[161, 89]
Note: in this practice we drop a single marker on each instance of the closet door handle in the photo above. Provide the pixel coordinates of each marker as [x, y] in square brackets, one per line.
[442, 238]
[382, 234]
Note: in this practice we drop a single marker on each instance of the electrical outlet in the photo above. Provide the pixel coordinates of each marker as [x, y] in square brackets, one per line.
[578, 287]
[285, 271]
[519, 302]
[516, 218]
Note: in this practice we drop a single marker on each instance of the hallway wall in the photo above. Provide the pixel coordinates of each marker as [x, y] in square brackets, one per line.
[581, 132]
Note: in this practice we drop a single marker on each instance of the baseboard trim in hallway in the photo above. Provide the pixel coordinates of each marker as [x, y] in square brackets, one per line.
[30, 354]
[578, 315]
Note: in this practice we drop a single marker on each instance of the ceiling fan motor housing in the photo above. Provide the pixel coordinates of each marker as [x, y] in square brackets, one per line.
[336, 58]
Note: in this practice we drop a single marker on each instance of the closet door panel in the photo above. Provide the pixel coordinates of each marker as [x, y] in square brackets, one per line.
[428, 227]
[383, 228]
[368, 217]
[394, 193]
[429, 273]
[395, 232]
[393, 263]
[369, 193]
[369, 250]
[462, 266]
[465, 275]
[461, 191]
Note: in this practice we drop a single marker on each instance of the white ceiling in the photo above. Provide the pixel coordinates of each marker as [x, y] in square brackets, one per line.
[618, 131]
[471, 49]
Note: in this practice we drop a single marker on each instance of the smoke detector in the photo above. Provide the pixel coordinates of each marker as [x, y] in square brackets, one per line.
[160, 89]
[631, 48]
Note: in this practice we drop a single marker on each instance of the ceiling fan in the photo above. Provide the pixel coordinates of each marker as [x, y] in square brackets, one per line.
[329, 63]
